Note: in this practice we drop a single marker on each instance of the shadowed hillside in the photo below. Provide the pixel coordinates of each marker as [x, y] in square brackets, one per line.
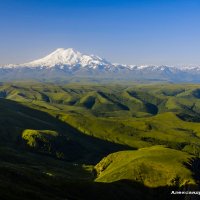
[117, 141]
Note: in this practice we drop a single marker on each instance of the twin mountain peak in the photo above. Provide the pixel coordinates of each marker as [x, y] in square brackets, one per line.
[72, 62]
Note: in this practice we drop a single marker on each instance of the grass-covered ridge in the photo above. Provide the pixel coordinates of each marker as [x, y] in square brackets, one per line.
[135, 137]
[152, 166]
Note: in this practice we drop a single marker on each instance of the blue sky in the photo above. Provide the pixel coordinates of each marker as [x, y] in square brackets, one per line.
[123, 31]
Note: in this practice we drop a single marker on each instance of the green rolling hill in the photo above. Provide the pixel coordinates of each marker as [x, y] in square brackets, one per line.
[112, 140]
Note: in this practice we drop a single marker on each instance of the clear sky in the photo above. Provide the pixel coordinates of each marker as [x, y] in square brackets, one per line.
[122, 31]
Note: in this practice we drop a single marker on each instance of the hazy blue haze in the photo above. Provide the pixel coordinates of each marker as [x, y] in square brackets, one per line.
[131, 32]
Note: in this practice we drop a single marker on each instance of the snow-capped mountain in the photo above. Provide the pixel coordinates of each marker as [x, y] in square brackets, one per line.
[63, 57]
[64, 63]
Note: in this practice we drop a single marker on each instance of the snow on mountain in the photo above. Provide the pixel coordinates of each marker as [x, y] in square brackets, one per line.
[70, 57]
[63, 62]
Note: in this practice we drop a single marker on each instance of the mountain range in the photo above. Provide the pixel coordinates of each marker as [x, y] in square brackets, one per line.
[68, 63]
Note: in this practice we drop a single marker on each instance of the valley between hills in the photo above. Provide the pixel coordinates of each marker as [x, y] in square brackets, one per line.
[98, 141]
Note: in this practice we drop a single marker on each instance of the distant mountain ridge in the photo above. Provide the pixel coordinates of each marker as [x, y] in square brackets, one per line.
[69, 62]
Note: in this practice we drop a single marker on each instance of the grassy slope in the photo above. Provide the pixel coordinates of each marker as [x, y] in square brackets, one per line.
[15, 118]
[153, 166]
[94, 121]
